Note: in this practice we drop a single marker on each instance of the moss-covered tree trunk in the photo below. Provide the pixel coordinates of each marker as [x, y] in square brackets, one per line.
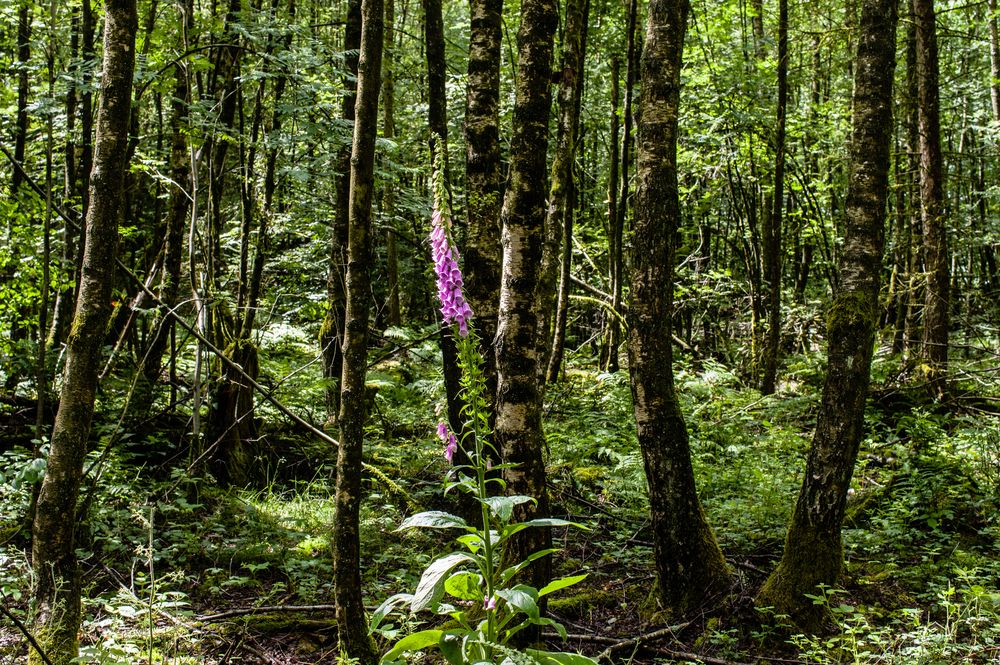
[559, 217]
[519, 395]
[57, 582]
[937, 266]
[813, 551]
[483, 177]
[689, 564]
[350, 612]
[331, 336]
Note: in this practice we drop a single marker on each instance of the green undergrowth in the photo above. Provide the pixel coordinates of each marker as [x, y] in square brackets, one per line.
[161, 548]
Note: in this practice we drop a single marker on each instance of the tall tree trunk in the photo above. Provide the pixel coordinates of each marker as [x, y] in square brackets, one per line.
[772, 223]
[519, 396]
[437, 120]
[331, 336]
[614, 247]
[226, 87]
[21, 119]
[63, 309]
[689, 564]
[994, 61]
[232, 426]
[389, 131]
[19, 331]
[621, 209]
[915, 260]
[813, 551]
[57, 580]
[484, 179]
[177, 216]
[936, 292]
[350, 610]
[559, 217]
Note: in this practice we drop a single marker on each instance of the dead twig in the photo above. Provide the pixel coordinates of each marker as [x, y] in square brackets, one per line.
[24, 631]
[264, 609]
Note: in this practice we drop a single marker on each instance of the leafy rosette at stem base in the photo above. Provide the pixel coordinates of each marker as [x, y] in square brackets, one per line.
[487, 610]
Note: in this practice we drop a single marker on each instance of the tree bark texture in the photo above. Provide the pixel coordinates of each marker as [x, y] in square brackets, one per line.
[994, 61]
[689, 564]
[389, 132]
[21, 122]
[559, 216]
[331, 336]
[772, 223]
[57, 583]
[350, 611]
[519, 396]
[621, 209]
[813, 551]
[937, 262]
[226, 77]
[484, 179]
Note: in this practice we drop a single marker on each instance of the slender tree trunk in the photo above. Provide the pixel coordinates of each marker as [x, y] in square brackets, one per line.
[389, 131]
[688, 561]
[331, 337]
[621, 209]
[614, 247]
[63, 309]
[232, 425]
[353, 628]
[813, 551]
[57, 580]
[559, 217]
[437, 119]
[19, 331]
[177, 217]
[21, 119]
[88, 30]
[227, 87]
[772, 223]
[484, 179]
[915, 260]
[936, 293]
[994, 61]
[519, 396]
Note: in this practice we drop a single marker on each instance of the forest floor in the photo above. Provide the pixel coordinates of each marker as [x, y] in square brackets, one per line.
[177, 570]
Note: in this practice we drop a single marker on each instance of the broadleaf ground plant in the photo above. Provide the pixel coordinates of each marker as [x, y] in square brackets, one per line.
[483, 598]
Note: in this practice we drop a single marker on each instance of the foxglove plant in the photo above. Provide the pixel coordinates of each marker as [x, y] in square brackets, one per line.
[485, 604]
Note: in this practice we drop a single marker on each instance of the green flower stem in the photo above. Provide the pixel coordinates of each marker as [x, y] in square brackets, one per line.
[469, 361]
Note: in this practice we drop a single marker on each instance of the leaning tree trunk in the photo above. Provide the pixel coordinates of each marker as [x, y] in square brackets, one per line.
[57, 580]
[519, 396]
[350, 610]
[483, 178]
[689, 564]
[936, 293]
[813, 551]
